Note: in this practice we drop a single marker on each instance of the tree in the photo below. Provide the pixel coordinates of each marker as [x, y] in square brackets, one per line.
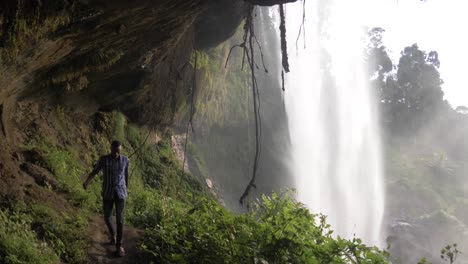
[382, 74]
[419, 78]
[379, 62]
[410, 93]
[462, 109]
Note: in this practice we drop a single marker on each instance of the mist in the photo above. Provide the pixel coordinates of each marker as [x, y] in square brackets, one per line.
[360, 133]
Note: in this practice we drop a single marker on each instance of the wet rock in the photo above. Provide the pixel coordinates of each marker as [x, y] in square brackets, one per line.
[425, 235]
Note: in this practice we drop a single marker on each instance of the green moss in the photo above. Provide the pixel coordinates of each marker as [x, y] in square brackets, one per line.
[118, 126]
[224, 108]
[157, 166]
[70, 75]
[224, 98]
[26, 22]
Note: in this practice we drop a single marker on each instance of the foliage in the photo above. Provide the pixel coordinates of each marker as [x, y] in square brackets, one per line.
[425, 150]
[18, 242]
[116, 126]
[410, 92]
[423, 261]
[65, 232]
[223, 142]
[155, 175]
[157, 166]
[224, 98]
[23, 23]
[462, 109]
[56, 234]
[71, 74]
[277, 230]
[450, 253]
[63, 163]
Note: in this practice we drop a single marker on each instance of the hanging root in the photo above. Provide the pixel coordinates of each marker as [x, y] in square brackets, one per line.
[284, 47]
[192, 108]
[192, 113]
[256, 100]
[261, 54]
[302, 27]
[247, 47]
[282, 80]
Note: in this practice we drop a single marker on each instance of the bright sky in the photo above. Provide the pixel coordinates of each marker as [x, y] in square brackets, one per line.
[438, 25]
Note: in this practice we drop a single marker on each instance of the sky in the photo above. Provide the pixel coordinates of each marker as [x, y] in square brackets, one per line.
[438, 25]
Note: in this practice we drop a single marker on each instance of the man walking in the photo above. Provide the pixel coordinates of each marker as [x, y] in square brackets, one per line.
[114, 190]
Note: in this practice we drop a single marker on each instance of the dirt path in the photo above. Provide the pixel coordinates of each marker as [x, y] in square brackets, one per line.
[102, 253]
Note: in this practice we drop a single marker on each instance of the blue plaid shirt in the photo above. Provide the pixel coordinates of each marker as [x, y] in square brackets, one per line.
[115, 176]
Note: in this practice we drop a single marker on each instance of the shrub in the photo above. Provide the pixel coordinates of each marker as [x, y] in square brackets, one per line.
[278, 230]
[63, 163]
[18, 243]
[65, 232]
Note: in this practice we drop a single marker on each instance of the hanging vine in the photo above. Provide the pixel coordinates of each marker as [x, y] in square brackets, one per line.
[302, 29]
[248, 51]
[284, 45]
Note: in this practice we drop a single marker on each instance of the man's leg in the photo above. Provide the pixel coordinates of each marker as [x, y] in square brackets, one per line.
[108, 206]
[119, 207]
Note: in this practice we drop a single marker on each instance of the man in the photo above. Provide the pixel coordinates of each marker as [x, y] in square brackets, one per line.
[114, 190]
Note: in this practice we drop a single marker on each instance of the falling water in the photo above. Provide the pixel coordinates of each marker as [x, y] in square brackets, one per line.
[333, 120]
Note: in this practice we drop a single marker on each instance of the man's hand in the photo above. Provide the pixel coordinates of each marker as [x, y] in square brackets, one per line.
[86, 182]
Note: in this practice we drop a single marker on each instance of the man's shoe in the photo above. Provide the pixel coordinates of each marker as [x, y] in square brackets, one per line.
[120, 252]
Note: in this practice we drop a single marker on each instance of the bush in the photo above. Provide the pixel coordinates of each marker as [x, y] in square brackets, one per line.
[65, 232]
[143, 207]
[155, 176]
[157, 167]
[18, 243]
[63, 163]
[278, 230]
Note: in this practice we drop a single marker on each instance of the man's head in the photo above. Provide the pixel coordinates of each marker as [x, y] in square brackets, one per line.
[116, 147]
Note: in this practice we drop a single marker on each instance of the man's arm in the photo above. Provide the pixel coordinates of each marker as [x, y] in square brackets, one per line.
[96, 170]
[126, 173]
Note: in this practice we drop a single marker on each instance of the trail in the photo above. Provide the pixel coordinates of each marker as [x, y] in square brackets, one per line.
[102, 253]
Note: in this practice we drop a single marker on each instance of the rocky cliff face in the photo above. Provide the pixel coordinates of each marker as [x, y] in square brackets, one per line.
[91, 56]
[68, 70]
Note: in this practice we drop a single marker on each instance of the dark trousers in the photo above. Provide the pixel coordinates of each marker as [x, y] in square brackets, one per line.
[119, 207]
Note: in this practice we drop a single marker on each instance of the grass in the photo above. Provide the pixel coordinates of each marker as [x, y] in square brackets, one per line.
[19, 243]
[157, 167]
[63, 163]
[65, 232]
[156, 175]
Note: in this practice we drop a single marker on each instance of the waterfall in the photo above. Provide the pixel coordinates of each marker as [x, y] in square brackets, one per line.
[333, 119]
